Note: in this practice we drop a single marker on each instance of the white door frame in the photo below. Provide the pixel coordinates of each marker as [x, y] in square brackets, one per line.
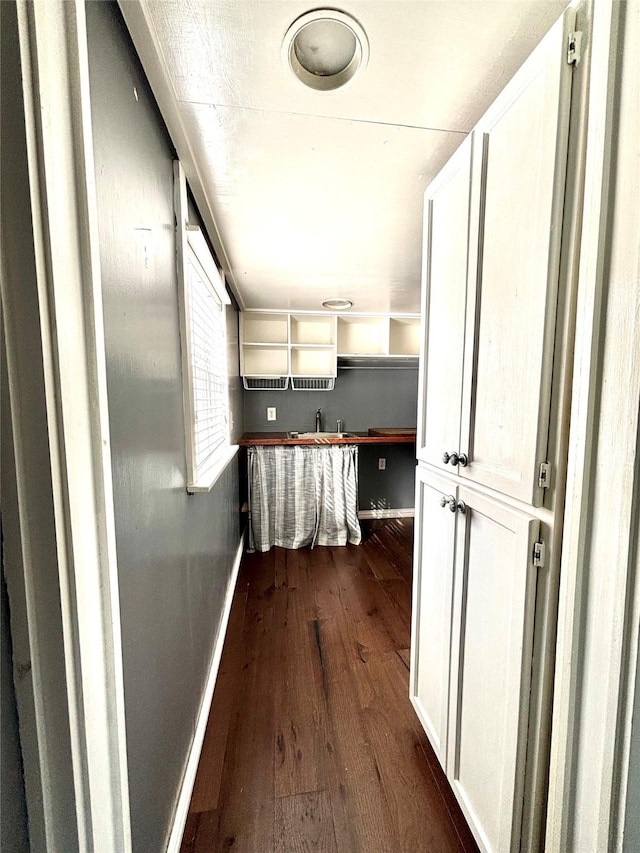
[64, 590]
[598, 632]
[599, 597]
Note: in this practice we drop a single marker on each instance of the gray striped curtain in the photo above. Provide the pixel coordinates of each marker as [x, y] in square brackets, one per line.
[302, 495]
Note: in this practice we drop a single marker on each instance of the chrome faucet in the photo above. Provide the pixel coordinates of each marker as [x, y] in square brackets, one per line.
[319, 420]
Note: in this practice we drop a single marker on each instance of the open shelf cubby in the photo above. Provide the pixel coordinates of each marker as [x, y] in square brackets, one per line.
[262, 360]
[265, 328]
[311, 329]
[363, 335]
[313, 361]
[404, 336]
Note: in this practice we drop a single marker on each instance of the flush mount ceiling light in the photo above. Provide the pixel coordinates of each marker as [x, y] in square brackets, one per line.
[337, 304]
[325, 49]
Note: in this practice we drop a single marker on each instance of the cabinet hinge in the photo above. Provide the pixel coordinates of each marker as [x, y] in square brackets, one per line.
[539, 554]
[544, 475]
[574, 45]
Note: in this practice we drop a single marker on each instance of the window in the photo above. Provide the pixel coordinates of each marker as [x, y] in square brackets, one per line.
[204, 354]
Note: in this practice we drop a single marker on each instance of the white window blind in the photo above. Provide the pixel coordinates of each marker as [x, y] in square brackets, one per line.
[208, 365]
[205, 299]
[202, 301]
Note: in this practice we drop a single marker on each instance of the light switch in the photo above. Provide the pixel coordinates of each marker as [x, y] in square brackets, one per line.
[271, 413]
[382, 464]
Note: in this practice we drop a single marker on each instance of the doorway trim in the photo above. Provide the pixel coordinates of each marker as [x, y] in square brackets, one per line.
[599, 607]
[67, 599]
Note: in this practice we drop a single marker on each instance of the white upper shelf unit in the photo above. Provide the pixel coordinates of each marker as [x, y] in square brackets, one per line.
[276, 348]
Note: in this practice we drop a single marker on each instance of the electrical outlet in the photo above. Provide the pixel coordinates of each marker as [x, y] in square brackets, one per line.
[271, 413]
[382, 464]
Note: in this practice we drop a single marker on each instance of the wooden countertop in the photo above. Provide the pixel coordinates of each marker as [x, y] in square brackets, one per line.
[376, 435]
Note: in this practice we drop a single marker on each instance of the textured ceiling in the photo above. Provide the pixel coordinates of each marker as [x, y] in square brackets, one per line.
[319, 194]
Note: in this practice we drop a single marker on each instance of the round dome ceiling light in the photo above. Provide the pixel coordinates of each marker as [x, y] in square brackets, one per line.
[325, 49]
[337, 304]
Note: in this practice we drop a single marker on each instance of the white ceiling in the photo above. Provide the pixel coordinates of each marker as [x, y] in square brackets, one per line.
[319, 194]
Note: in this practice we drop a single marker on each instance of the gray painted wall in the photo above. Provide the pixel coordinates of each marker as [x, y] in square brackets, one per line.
[393, 488]
[13, 809]
[175, 552]
[362, 398]
[625, 240]
[632, 812]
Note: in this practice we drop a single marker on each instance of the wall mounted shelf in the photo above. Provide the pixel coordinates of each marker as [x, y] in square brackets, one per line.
[278, 348]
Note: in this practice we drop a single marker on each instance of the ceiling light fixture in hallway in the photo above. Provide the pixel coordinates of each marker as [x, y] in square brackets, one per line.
[325, 49]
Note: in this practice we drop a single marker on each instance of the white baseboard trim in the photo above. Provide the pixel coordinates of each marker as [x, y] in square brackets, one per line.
[387, 513]
[189, 778]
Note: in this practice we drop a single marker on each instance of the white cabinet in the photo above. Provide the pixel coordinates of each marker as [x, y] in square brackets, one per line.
[474, 595]
[491, 657]
[491, 278]
[495, 269]
[446, 216]
[432, 603]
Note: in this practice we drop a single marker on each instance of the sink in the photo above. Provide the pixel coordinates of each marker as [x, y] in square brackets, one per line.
[318, 435]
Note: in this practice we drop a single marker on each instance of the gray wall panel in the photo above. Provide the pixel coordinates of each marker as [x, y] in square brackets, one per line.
[175, 552]
[632, 813]
[362, 398]
[625, 241]
[13, 809]
[13, 826]
[393, 488]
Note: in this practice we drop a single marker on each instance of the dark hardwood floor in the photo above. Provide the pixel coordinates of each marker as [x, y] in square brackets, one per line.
[312, 743]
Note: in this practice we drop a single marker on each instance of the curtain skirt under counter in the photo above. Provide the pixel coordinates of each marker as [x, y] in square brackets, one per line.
[303, 495]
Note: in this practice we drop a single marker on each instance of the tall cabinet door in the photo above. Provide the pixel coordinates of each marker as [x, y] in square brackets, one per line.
[444, 285]
[495, 585]
[432, 606]
[520, 153]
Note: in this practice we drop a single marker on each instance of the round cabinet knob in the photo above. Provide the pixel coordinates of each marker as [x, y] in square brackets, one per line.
[445, 458]
[454, 459]
[449, 501]
[461, 507]
[463, 460]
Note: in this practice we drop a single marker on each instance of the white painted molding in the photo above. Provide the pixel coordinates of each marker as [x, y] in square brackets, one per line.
[599, 597]
[55, 71]
[581, 441]
[386, 513]
[189, 778]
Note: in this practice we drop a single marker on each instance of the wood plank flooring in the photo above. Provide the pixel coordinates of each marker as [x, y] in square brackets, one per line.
[312, 743]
